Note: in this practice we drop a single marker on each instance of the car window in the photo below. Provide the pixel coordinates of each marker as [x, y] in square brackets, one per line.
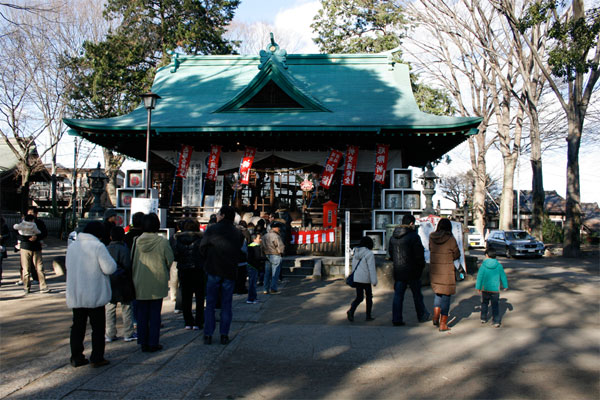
[518, 236]
[473, 231]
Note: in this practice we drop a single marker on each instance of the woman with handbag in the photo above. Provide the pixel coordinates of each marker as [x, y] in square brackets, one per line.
[443, 251]
[364, 275]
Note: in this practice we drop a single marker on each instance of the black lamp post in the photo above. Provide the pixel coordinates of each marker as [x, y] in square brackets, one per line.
[149, 102]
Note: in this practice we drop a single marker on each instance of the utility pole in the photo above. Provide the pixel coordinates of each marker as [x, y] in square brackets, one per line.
[74, 184]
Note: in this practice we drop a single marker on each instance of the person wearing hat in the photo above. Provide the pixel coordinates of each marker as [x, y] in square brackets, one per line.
[110, 221]
[273, 248]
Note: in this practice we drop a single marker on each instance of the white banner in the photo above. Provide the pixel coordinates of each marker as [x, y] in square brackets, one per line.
[192, 185]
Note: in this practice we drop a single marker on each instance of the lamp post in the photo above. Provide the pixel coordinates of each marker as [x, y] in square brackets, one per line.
[149, 102]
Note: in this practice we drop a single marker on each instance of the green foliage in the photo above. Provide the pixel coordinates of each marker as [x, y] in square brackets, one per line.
[372, 26]
[358, 26]
[109, 75]
[551, 232]
[573, 38]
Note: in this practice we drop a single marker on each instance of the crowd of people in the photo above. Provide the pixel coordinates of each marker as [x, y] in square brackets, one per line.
[408, 256]
[106, 266]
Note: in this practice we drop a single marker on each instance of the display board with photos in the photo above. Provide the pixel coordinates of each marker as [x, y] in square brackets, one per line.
[378, 237]
[397, 200]
[134, 178]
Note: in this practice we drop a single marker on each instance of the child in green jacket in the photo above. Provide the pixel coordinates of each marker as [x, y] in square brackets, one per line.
[489, 277]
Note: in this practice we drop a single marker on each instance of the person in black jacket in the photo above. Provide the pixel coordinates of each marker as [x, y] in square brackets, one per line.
[192, 279]
[121, 284]
[408, 255]
[110, 221]
[221, 251]
[135, 230]
[31, 254]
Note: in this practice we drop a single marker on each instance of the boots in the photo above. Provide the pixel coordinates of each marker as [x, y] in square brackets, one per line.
[444, 323]
[436, 316]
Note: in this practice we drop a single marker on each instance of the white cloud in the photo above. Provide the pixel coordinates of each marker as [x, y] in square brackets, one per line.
[296, 21]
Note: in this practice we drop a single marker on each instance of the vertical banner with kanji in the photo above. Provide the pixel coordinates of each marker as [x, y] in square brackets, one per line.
[213, 163]
[381, 159]
[184, 160]
[246, 164]
[330, 167]
[350, 165]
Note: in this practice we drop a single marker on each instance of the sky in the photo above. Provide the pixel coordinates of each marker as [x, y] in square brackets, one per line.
[296, 16]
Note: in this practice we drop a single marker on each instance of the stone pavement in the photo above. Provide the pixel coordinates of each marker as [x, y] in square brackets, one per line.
[298, 345]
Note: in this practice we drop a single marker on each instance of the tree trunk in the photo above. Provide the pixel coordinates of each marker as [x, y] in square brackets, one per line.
[24, 189]
[479, 195]
[537, 179]
[112, 165]
[508, 196]
[572, 239]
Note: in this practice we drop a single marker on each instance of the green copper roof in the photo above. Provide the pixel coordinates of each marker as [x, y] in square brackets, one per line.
[358, 92]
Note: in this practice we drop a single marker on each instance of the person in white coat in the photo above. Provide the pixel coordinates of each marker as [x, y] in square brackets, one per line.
[365, 275]
[89, 265]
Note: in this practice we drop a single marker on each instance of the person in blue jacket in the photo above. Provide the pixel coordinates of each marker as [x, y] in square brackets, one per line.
[490, 276]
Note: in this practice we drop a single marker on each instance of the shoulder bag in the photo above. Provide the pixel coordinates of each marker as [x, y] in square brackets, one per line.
[350, 278]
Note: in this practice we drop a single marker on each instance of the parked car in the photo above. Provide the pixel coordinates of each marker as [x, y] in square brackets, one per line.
[515, 243]
[475, 238]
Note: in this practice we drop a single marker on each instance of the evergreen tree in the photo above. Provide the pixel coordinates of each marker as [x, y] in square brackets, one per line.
[372, 26]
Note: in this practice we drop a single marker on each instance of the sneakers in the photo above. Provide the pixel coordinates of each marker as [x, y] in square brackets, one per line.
[275, 292]
[177, 311]
[196, 328]
[266, 292]
[483, 321]
[369, 318]
[131, 338]
[19, 282]
[45, 291]
[251, 301]
[496, 325]
[110, 339]
[100, 363]
[188, 328]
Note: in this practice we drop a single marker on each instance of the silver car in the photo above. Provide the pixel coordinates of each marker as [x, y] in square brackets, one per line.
[515, 243]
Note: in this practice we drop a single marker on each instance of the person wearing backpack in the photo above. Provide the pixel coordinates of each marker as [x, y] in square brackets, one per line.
[190, 271]
[121, 284]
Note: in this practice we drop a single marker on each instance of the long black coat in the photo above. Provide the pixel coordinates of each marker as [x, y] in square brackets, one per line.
[407, 253]
[221, 249]
[121, 282]
[186, 248]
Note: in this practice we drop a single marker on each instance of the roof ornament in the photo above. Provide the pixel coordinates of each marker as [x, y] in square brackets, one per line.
[175, 59]
[273, 52]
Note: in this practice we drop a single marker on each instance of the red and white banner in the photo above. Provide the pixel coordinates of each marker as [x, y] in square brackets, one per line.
[312, 237]
[330, 167]
[246, 164]
[213, 163]
[381, 159]
[350, 165]
[185, 155]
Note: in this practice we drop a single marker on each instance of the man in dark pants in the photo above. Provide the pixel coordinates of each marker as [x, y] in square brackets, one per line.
[408, 255]
[220, 249]
[31, 254]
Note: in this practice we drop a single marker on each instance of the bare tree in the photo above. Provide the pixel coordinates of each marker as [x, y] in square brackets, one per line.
[467, 47]
[251, 38]
[574, 58]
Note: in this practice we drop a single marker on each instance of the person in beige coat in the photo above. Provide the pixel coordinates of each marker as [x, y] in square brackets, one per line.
[443, 251]
[365, 275]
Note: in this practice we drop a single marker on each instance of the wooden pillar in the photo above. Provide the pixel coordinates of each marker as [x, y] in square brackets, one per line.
[272, 192]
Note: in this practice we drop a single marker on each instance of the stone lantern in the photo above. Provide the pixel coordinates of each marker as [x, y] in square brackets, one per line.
[428, 179]
[97, 180]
